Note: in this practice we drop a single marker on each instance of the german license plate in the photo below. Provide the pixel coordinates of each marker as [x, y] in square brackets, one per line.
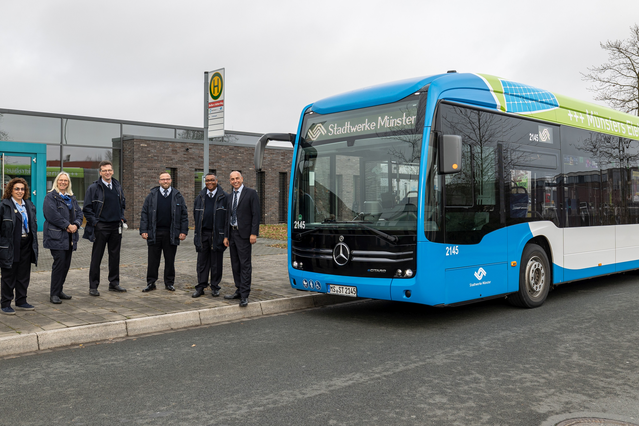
[342, 290]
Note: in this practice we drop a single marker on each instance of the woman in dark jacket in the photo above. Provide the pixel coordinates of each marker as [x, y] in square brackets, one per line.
[63, 218]
[18, 245]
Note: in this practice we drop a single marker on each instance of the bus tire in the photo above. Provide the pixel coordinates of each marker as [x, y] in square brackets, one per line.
[534, 278]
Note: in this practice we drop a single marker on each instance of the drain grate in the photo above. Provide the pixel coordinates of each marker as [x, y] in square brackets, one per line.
[585, 421]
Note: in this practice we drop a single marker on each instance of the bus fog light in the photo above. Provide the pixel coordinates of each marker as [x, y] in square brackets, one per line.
[409, 273]
[398, 273]
[407, 293]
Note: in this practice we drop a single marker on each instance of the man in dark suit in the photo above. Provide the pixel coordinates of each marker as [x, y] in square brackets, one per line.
[163, 224]
[244, 227]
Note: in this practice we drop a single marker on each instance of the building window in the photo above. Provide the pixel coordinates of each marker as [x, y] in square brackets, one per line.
[174, 176]
[198, 182]
[283, 198]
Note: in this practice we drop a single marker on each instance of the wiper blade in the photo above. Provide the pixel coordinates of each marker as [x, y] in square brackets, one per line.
[388, 237]
[299, 235]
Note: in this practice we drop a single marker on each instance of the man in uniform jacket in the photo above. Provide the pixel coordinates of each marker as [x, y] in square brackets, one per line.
[163, 224]
[244, 227]
[103, 210]
[211, 228]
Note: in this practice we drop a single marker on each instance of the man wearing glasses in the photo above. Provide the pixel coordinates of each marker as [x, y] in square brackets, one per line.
[164, 222]
[210, 212]
[104, 206]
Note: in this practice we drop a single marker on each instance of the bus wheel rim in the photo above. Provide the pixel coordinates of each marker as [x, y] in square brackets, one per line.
[535, 276]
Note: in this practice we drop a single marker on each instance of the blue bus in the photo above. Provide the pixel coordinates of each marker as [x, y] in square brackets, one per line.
[459, 187]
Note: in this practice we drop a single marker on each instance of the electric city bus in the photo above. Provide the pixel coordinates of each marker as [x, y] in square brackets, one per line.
[454, 188]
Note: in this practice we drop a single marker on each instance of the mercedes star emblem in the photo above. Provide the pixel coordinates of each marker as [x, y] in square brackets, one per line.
[341, 254]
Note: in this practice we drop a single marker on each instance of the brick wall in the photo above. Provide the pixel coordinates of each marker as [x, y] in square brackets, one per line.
[143, 160]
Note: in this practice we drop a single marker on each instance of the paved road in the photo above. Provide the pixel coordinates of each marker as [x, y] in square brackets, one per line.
[365, 363]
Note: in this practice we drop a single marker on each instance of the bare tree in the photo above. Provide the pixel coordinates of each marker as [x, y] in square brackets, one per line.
[3, 135]
[617, 81]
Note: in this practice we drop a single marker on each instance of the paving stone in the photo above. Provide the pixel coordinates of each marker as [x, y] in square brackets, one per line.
[67, 323]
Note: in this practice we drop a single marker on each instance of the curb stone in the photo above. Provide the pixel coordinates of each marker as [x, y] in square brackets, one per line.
[32, 342]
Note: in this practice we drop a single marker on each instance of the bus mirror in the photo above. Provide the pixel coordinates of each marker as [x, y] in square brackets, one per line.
[450, 154]
[261, 145]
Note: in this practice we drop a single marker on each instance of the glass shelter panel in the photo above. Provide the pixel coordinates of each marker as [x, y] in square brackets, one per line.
[158, 132]
[82, 165]
[84, 132]
[29, 128]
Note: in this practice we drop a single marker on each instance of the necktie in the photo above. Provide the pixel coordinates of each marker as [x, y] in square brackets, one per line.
[23, 212]
[234, 213]
[166, 193]
[210, 195]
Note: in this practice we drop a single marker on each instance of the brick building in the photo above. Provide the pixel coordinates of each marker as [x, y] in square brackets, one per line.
[144, 159]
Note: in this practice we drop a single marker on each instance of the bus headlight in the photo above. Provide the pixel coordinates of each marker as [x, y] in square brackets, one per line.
[295, 264]
[408, 273]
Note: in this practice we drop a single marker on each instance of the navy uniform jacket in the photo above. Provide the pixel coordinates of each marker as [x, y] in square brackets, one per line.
[93, 203]
[220, 220]
[8, 240]
[56, 215]
[179, 216]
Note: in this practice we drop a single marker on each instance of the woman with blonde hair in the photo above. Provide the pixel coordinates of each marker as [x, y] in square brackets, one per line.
[63, 218]
[19, 248]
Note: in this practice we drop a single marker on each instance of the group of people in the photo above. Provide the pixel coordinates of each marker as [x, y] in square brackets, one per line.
[222, 220]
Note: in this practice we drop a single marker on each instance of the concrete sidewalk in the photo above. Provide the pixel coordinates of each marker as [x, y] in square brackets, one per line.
[87, 318]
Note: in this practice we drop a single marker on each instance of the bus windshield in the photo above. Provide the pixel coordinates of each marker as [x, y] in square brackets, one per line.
[359, 169]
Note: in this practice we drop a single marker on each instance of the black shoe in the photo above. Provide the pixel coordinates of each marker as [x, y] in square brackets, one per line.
[197, 293]
[117, 288]
[170, 288]
[64, 296]
[148, 288]
[243, 303]
[235, 295]
[55, 300]
[215, 293]
[25, 307]
[94, 292]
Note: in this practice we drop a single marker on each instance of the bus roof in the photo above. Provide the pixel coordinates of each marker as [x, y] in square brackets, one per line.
[494, 93]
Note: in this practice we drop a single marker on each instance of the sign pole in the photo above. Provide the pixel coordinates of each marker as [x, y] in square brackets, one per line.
[205, 167]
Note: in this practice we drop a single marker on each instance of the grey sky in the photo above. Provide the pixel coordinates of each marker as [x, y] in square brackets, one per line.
[145, 60]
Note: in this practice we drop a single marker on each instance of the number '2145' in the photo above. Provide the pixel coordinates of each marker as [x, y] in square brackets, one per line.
[452, 250]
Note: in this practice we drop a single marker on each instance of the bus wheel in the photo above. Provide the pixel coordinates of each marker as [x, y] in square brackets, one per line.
[534, 278]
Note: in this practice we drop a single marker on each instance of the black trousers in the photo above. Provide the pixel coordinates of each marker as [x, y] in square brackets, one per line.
[106, 234]
[241, 249]
[161, 245]
[60, 269]
[18, 276]
[209, 262]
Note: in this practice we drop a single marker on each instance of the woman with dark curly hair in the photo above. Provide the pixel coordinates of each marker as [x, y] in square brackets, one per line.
[18, 245]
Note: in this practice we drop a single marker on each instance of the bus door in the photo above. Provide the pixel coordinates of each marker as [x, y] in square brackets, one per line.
[476, 243]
